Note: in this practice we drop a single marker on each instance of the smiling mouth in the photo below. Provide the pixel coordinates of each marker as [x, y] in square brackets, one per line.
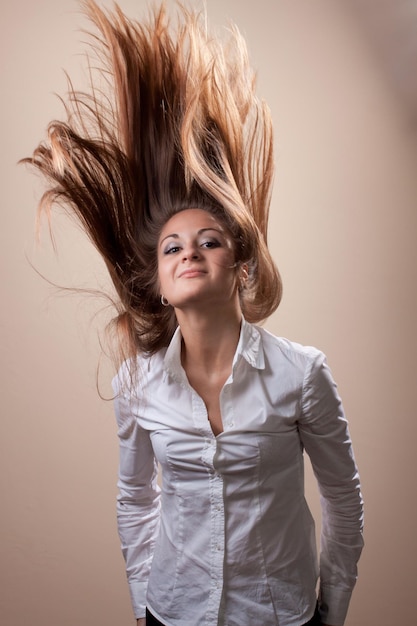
[191, 273]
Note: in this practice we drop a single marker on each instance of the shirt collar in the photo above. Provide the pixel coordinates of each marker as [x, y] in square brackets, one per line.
[249, 347]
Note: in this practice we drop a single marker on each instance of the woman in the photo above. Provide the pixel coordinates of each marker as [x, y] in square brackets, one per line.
[172, 183]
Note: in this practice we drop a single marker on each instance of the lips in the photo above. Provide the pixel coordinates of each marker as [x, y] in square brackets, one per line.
[191, 273]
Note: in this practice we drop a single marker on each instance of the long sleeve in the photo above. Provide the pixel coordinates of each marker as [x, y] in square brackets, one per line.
[325, 436]
[138, 501]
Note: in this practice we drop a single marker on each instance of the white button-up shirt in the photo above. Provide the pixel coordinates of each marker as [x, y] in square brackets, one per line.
[229, 540]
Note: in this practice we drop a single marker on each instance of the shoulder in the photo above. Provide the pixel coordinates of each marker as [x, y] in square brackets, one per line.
[137, 372]
[292, 353]
[134, 382]
[301, 366]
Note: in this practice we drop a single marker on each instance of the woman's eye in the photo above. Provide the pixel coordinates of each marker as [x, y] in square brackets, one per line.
[171, 249]
[211, 243]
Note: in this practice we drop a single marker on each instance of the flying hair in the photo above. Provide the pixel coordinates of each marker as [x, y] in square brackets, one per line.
[171, 121]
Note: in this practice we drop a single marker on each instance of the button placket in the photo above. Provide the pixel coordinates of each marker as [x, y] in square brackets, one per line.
[217, 546]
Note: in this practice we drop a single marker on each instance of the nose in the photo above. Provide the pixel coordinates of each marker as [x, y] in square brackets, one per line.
[191, 253]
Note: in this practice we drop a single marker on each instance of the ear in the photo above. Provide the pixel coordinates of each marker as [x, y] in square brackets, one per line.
[244, 271]
[242, 276]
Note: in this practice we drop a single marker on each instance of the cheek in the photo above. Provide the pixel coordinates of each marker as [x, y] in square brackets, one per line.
[158, 279]
[162, 275]
[227, 261]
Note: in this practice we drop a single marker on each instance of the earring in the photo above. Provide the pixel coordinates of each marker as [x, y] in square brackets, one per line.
[164, 301]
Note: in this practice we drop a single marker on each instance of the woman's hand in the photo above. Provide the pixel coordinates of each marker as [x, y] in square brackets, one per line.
[141, 621]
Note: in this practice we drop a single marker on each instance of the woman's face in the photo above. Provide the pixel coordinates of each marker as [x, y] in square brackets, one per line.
[196, 261]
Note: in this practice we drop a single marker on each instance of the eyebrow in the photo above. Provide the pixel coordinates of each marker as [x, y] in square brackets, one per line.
[199, 232]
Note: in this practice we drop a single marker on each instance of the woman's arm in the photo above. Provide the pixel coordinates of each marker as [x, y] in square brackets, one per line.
[138, 500]
[325, 436]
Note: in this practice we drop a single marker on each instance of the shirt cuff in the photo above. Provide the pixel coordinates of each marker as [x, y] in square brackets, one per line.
[333, 605]
[138, 598]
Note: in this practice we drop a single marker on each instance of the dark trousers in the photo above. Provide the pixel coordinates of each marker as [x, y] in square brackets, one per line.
[152, 621]
[315, 620]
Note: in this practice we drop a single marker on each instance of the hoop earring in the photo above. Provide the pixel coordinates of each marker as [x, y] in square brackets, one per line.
[164, 301]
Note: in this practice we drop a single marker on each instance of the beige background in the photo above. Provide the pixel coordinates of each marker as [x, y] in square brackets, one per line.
[343, 232]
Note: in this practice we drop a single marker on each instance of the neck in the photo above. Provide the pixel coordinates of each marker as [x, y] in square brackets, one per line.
[209, 341]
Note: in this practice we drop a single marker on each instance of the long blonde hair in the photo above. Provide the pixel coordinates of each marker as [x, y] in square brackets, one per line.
[180, 127]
